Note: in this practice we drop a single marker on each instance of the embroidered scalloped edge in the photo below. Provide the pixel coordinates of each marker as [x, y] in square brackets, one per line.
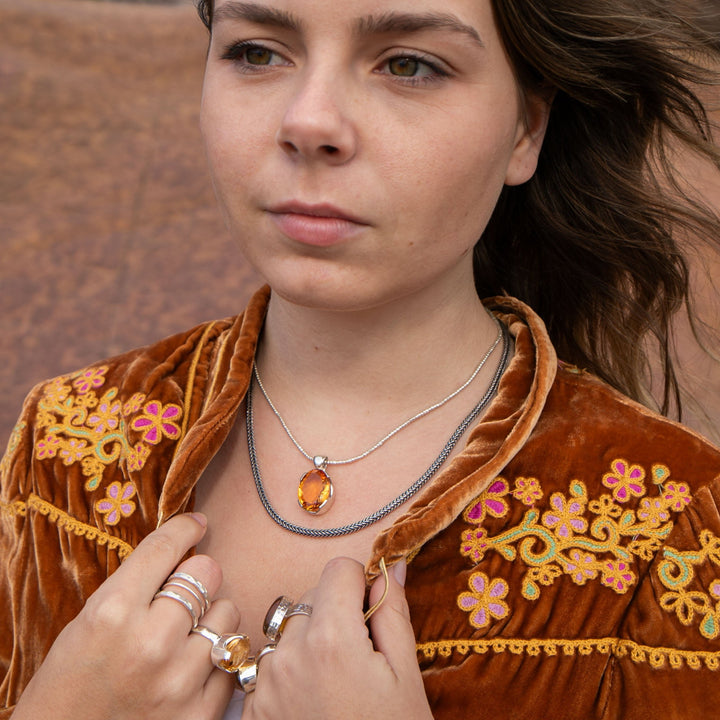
[657, 657]
[67, 522]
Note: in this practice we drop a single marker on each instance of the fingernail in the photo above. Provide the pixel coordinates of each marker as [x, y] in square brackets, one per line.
[199, 518]
[399, 571]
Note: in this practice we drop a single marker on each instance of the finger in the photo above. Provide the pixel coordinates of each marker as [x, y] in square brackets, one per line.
[222, 618]
[390, 626]
[156, 556]
[168, 610]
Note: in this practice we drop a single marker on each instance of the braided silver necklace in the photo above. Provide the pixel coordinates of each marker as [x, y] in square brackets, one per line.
[315, 489]
[406, 494]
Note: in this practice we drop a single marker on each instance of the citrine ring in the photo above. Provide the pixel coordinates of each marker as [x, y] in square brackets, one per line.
[228, 651]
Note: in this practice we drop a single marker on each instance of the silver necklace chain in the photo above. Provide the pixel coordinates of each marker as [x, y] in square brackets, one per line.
[400, 499]
[400, 427]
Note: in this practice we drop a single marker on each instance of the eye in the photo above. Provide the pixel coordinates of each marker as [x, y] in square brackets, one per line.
[413, 69]
[251, 55]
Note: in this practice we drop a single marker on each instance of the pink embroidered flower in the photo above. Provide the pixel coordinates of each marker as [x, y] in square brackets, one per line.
[117, 503]
[47, 447]
[527, 490]
[474, 542]
[158, 420]
[137, 457]
[677, 495]
[56, 392]
[652, 511]
[92, 378]
[565, 516]
[582, 567]
[490, 502]
[72, 450]
[715, 589]
[133, 404]
[105, 418]
[625, 480]
[485, 601]
[617, 575]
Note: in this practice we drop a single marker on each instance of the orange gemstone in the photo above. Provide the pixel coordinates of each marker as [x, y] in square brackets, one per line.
[315, 491]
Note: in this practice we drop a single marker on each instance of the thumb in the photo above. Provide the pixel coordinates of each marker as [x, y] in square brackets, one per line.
[390, 626]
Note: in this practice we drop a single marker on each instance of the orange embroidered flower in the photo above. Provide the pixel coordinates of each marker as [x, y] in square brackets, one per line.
[117, 503]
[677, 495]
[137, 457]
[158, 421]
[565, 516]
[527, 490]
[47, 447]
[491, 502]
[72, 450]
[133, 404]
[485, 601]
[625, 480]
[582, 567]
[105, 418]
[92, 378]
[474, 543]
[617, 575]
[56, 392]
[653, 511]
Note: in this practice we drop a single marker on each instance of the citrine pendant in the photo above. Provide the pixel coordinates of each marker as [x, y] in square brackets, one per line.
[315, 491]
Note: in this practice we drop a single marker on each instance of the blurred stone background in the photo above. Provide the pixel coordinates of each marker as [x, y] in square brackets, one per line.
[109, 233]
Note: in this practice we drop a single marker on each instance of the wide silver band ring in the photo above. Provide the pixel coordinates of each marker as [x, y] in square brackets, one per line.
[171, 595]
[278, 614]
[229, 651]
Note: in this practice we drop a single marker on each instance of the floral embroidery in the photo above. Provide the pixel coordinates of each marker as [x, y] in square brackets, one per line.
[93, 378]
[677, 495]
[117, 503]
[527, 490]
[485, 599]
[491, 502]
[625, 480]
[566, 515]
[575, 536]
[12, 445]
[157, 421]
[81, 427]
[676, 573]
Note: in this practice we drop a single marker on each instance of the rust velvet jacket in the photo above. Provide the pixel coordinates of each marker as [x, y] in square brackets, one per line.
[566, 564]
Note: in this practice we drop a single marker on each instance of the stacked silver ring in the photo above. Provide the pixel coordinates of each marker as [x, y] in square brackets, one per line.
[193, 589]
[277, 615]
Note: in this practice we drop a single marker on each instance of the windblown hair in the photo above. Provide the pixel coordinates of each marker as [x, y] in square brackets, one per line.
[595, 242]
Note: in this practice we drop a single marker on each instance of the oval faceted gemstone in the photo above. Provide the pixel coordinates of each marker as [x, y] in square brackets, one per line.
[315, 491]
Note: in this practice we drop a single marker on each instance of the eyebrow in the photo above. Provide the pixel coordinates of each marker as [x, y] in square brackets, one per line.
[256, 13]
[395, 22]
[386, 23]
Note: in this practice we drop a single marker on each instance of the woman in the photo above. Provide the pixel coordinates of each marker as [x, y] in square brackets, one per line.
[562, 563]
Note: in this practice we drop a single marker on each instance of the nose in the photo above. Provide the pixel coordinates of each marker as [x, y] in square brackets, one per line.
[316, 126]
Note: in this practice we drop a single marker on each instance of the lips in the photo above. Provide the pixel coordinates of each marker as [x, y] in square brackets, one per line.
[321, 225]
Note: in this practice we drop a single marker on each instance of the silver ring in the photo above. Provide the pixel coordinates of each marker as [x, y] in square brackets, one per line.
[229, 651]
[269, 648]
[163, 593]
[275, 618]
[193, 582]
[247, 676]
[299, 609]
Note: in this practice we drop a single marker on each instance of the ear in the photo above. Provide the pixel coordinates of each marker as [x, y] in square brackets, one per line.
[532, 125]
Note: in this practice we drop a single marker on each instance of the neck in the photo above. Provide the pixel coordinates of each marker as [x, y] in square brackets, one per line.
[392, 360]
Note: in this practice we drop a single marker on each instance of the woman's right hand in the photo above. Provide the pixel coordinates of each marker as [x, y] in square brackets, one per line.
[128, 656]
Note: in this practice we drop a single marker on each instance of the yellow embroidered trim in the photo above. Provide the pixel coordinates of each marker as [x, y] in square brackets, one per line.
[657, 657]
[190, 383]
[67, 522]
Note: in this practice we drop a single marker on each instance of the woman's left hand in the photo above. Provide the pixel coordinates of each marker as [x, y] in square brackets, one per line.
[328, 665]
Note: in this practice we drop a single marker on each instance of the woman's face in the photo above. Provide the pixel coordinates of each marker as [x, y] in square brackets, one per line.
[358, 147]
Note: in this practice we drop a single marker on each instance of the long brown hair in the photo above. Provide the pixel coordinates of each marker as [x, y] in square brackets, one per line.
[592, 241]
[596, 241]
